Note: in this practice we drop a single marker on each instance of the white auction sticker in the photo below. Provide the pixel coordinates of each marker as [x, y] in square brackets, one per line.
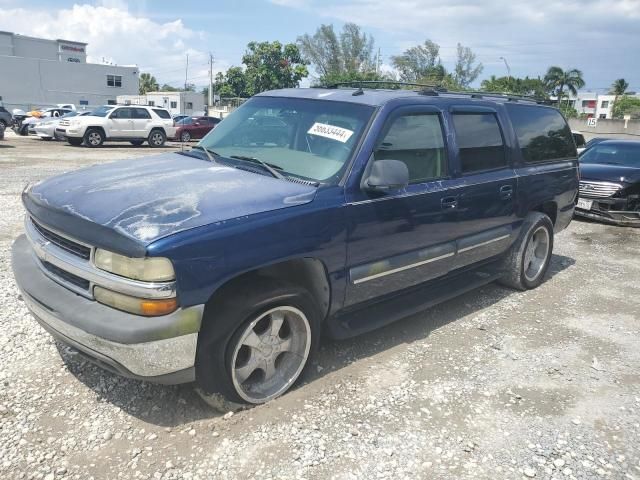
[330, 131]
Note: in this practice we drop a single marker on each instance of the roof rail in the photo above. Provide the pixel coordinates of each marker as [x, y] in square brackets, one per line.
[507, 96]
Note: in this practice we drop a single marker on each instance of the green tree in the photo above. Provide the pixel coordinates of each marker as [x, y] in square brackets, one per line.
[338, 58]
[467, 69]
[557, 80]
[271, 65]
[618, 87]
[419, 62]
[626, 105]
[169, 88]
[516, 86]
[147, 83]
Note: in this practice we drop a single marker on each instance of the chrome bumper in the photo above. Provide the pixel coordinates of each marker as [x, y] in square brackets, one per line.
[160, 349]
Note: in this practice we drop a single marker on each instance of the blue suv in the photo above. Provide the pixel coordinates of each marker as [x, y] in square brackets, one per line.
[305, 212]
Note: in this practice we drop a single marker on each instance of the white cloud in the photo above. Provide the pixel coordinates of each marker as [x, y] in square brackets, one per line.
[119, 36]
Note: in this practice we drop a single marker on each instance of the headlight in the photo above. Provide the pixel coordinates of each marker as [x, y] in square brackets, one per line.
[147, 269]
[138, 306]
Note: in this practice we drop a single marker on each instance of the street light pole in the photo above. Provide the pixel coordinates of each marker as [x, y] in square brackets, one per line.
[506, 65]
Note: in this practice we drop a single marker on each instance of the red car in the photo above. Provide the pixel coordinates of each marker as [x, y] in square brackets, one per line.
[194, 127]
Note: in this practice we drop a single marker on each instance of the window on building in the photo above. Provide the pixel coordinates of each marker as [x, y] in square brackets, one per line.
[189, 105]
[114, 81]
[605, 104]
[603, 115]
[151, 103]
[480, 142]
[543, 134]
[84, 102]
[111, 102]
[174, 104]
[417, 141]
[127, 102]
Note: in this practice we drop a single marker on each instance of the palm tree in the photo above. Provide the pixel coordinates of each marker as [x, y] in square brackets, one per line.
[557, 80]
[619, 87]
[147, 83]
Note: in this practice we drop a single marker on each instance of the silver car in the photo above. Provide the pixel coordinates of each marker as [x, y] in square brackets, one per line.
[46, 127]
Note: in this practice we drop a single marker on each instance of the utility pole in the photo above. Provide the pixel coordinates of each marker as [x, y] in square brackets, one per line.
[506, 65]
[186, 76]
[210, 102]
[378, 62]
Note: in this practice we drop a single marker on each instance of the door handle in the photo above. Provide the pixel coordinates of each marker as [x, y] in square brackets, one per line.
[448, 203]
[506, 192]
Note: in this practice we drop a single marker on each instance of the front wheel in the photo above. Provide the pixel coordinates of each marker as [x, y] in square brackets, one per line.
[157, 138]
[276, 333]
[528, 260]
[93, 138]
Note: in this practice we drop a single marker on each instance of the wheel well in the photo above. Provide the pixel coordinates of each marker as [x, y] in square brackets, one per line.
[307, 272]
[158, 128]
[550, 209]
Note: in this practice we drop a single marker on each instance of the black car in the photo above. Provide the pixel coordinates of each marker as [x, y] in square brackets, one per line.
[610, 182]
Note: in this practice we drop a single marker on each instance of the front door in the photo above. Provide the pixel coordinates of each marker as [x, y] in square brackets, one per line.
[488, 183]
[121, 122]
[403, 238]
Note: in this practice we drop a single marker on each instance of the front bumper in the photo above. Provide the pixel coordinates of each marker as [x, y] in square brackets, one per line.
[157, 349]
[45, 131]
[614, 211]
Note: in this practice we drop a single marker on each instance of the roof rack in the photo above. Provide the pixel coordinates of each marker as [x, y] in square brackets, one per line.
[507, 96]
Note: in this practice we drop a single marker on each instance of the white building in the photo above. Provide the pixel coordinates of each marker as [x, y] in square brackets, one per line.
[592, 104]
[178, 103]
[36, 72]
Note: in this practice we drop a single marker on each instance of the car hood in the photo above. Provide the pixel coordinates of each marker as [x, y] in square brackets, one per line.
[609, 173]
[147, 199]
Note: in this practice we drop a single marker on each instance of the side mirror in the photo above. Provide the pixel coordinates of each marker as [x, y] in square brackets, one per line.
[386, 175]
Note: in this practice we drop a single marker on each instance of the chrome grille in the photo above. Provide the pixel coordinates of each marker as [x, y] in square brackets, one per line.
[64, 123]
[66, 244]
[66, 276]
[598, 189]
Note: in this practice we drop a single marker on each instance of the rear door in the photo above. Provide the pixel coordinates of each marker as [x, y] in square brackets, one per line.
[485, 201]
[403, 238]
[141, 122]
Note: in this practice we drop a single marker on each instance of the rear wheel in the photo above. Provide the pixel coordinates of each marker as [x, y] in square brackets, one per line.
[276, 332]
[528, 260]
[185, 137]
[157, 138]
[93, 138]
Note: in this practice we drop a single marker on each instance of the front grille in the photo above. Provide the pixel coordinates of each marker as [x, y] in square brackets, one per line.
[64, 123]
[66, 276]
[70, 246]
[598, 189]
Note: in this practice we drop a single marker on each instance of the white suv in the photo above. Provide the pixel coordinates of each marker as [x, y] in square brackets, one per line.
[130, 123]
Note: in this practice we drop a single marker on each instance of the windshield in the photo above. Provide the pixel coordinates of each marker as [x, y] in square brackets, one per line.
[312, 139]
[626, 155]
[102, 111]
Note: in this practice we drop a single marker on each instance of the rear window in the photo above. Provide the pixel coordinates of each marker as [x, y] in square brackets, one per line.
[162, 113]
[480, 142]
[543, 134]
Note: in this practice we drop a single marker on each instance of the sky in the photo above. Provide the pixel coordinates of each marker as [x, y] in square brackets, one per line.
[599, 37]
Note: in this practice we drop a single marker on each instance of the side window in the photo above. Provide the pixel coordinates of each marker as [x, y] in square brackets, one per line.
[417, 141]
[140, 113]
[543, 134]
[174, 104]
[122, 113]
[480, 142]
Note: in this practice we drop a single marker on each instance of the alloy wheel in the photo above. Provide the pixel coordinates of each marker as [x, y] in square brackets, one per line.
[270, 354]
[536, 254]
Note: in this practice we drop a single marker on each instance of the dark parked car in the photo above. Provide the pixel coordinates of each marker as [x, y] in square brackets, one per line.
[225, 263]
[594, 141]
[190, 128]
[610, 182]
[5, 117]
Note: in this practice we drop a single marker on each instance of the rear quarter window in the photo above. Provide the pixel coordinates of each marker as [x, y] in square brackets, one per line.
[162, 113]
[543, 133]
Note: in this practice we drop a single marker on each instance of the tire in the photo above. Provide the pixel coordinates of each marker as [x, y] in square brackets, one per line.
[136, 143]
[185, 137]
[93, 138]
[76, 142]
[245, 327]
[528, 259]
[157, 138]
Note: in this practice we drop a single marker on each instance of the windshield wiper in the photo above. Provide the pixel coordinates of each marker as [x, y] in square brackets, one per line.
[269, 167]
[210, 153]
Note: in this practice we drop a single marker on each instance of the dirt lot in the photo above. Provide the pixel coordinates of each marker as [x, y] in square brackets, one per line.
[495, 384]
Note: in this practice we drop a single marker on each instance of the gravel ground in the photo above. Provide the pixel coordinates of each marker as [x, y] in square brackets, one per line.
[494, 384]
